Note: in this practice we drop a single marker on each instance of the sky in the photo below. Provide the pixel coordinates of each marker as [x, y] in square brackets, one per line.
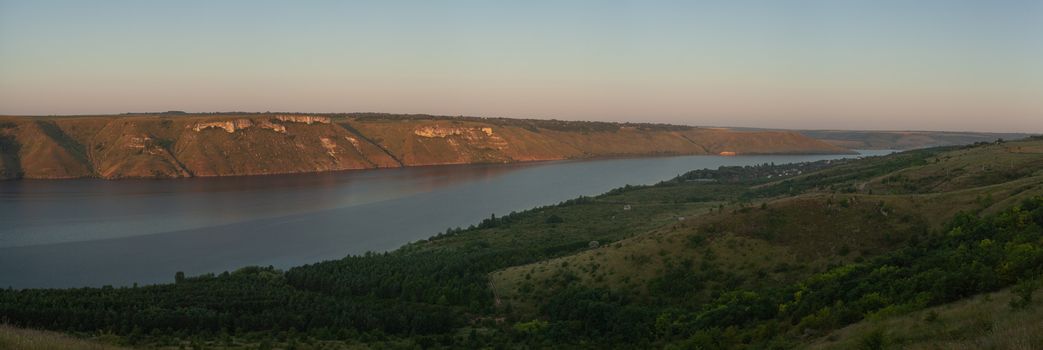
[828, 64]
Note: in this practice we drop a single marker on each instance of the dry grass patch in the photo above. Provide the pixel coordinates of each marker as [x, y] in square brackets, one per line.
[983, 322]
[14, 338]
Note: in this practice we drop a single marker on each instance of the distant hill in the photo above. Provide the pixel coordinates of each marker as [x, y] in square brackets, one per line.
[903, 140]
[898, 139]
[174, 144]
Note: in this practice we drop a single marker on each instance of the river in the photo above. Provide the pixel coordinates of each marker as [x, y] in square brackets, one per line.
[88, 232]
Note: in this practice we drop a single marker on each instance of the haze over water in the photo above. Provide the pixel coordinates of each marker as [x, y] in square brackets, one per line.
[92, 232]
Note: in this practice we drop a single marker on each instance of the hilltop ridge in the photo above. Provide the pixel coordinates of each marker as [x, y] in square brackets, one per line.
[173, 145]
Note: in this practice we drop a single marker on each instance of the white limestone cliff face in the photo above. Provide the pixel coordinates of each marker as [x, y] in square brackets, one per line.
[438, 131]
[267, 124]
[354, 143]
[330, 146]
[474, 135]
[307, 119]
[443, 132]
[232, 126]
[229, 126]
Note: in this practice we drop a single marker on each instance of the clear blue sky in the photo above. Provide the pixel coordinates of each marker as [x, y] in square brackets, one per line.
[943, 65]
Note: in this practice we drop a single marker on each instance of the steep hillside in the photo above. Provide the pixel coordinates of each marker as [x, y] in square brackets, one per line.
[185, 145]
[39, 149]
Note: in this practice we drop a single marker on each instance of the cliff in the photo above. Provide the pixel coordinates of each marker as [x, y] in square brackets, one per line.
[171, 146]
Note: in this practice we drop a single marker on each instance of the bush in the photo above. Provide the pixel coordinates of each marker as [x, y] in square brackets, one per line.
[875, 340]
[1023, 293]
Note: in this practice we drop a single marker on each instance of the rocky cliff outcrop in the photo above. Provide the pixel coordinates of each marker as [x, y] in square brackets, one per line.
[306, 119]
[161, 146]
[228, 126]
[231, 126]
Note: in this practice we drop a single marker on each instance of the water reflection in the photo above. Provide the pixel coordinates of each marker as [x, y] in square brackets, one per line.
[44, 212]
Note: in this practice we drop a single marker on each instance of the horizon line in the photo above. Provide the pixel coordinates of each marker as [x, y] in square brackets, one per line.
[181, 112]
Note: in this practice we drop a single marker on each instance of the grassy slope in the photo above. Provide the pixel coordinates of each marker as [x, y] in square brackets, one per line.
[26, 339]
[983, 322]
[856, 212]
[14, 338]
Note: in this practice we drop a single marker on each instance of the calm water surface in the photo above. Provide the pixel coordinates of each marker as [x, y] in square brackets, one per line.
[95, 232]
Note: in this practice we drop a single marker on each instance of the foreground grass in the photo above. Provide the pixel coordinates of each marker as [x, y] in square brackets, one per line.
[28, 339]
[14, 338]
[986, 321]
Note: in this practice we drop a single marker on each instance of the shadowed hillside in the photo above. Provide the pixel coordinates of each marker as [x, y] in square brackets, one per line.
[186, 145]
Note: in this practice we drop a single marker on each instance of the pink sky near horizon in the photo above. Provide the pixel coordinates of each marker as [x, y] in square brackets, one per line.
[869, 65]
